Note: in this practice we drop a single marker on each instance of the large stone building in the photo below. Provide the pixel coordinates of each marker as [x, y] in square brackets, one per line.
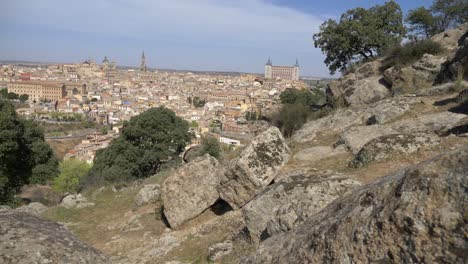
[282, 72]
[38, 90]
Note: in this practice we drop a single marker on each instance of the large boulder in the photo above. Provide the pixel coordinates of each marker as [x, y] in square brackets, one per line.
[41, 194]
[385, 147]
[417, 215]
[421, 74]
[356, 137]
[318, 153]
[191, 190]
[363, 86]
[254, 169]
[28, 239]
[290, 201]
[378, 113]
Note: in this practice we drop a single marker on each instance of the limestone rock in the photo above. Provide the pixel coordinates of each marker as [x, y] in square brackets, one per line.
[75, 201]
[32, 208]
[148, 194]
[191, 190]
[4, 208]
[219, 250]
[254, 168]
[384, 147]
[450, 39]
[40, 193]
[27, 239]
[417, 215]
[288, 202]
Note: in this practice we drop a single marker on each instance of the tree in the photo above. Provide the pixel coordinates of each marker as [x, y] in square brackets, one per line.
[71, 172]
[360, 34]
[210, 145]
[4, 93]
[442, 15]
[104, 130]
[290, 118]
[12, 96]
[23, 98]
[24, 155]
[147, 141]
[197, 102]
[304, 97]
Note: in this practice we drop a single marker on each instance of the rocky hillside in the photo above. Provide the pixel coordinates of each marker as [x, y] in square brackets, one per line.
[381, 181]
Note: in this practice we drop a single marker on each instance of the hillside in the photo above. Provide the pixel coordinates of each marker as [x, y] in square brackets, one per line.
[382, 180]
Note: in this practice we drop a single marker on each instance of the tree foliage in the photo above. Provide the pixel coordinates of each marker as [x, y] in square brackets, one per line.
[23, 98]
[147, 141]
[360, 34]
[71, 172]
[197, 102]
[24, 155]
[304, 97]
[211, 146]
[442, 15]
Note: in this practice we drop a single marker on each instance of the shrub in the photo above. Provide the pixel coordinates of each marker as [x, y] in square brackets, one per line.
[210, 145]
[71, 172]
[408, 53]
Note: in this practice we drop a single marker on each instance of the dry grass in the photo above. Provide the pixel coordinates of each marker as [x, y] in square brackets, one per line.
[62, 146]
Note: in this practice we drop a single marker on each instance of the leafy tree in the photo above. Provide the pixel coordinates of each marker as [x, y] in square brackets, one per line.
[12, 96]
[197, 102]
[71, 172]
[442, 15]
[147, 141]
[94, 99]
[24, 155]
[23, 98]
[4, 93]
[290, 118]
[304, 97]
[210, 145]
[360, 34]
[104, 130]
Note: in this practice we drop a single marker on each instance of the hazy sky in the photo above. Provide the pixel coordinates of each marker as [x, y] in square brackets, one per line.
[218, 35]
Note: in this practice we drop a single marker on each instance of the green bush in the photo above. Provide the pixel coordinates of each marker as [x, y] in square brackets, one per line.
[71, 172]
[408, 53]
[210, 145]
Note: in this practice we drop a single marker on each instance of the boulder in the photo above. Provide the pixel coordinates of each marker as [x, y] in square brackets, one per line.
[254, 169]
[384, 147]
[148, 194]
[29, 239]
[191, 190]
[33, 208]
[381, 112]
[219, 250]
[421, 74]
[290, 201]
[356, 137]
[417, 215]
[75, 201]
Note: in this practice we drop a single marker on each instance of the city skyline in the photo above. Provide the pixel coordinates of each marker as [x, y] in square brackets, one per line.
[181, 35]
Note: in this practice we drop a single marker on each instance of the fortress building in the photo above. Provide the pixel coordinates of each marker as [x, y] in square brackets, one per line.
[282, 72]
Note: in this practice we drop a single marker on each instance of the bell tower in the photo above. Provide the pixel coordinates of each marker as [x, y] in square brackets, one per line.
[143, 66]
[268, 70]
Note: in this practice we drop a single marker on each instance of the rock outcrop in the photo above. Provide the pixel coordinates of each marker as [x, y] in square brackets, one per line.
[149, 193]
[318, 153]
[75, 201]
[290, 201]
[254, 169]
[364, 86]
[417, 215]
[28, 239]
[191, 190]
[33, 208]
[384, 147]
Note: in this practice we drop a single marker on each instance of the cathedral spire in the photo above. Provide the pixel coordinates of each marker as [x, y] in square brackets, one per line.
[143, 66]
[297, 63]
[269, 62]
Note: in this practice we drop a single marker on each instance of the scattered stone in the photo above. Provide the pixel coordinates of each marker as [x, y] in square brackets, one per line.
[148, 194]
[75, 201]
[191, 190]
[417, 215]
[219, 250]
[27, 239]
[36, 209]
[4, 208]
[289, 202]
[133, 224]
[254, 168]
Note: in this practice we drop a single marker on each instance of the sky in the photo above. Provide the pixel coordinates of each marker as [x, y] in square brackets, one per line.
[206, 35]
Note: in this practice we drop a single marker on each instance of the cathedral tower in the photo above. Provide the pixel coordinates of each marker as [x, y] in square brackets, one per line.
[143, 67]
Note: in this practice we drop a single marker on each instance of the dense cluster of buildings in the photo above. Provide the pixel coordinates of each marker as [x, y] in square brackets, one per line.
[108, 95]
